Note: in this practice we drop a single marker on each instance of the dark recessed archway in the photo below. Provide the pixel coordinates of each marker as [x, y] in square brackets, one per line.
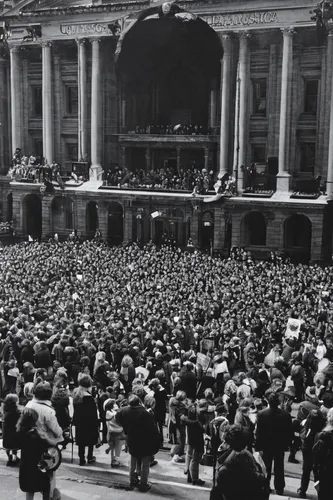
[297, 237]
[254, 229]
[92, 217]
[115, 224]
[32, 216]
[166, 64]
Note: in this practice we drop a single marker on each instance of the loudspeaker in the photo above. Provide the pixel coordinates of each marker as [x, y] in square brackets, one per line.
[272, 165]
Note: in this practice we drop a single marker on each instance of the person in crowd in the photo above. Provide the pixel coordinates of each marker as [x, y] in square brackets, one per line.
[274, 434]
[143, 440]
[240, 477]
[242, 418]
[10, 442]
[85, 420]
[177, 408]
[160, 396]
[47, 425]
[323, 459]
[115, 433]
[31, 478]
[310, 427]
[195, 425]
[189, 381]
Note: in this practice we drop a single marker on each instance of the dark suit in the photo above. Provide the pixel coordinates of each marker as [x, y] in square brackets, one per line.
[273, 437]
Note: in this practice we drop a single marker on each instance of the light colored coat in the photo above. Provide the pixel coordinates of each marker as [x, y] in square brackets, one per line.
[47, 423]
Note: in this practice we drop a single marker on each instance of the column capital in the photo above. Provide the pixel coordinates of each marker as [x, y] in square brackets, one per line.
[46, 43]
[14, 48]
[290, 31]
[244, 35]
[94, 40]
[81, 41]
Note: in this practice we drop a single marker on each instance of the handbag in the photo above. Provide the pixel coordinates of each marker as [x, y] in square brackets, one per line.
[50, 459]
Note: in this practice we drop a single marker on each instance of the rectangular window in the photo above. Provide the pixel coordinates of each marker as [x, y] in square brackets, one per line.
[311, 96]
[38, 149]
[69, 214]
[71, 152]
[308, 158]
[259, 153]
[37, 101]
[259, 96]
[72, 100]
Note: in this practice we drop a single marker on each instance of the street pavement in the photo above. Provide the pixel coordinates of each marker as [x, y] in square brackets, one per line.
[97, 481]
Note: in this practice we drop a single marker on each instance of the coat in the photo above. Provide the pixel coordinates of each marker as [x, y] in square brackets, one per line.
[143, 438]
[10, 437]
[31, 478]
[86, 422]
[240, 465]
[47, 424]
[43, 359]
[274, 430]
[323, 461]
[189, 384]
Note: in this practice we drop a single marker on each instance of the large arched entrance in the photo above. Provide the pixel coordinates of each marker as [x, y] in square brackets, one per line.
[254, 229]
[115, 224]
[168, 64]
[207, 231]
[91, 218]
[297, 238]
[32, 216]
[9, 207]
[62, 213]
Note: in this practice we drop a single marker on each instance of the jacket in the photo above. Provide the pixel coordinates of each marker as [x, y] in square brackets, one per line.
[47, 423]
[274, 430]
[31, 478]
[86, 421]
[43, 359]
[242, 466]
[10, 437]
[143, 438]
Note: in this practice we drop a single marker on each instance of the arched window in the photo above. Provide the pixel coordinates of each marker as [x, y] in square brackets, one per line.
[92, 217]
[297, 232]
[254, 228]
[32, 216]
[115, 224]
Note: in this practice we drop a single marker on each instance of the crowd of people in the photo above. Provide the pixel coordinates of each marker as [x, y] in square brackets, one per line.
[133, 346]
[30, 169]
[179, 129]
[192, 179]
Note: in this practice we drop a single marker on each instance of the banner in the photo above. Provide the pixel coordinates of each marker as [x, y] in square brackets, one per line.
[203, 361]
[293, 328]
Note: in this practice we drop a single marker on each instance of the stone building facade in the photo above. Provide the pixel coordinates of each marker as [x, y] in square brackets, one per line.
[62, 99]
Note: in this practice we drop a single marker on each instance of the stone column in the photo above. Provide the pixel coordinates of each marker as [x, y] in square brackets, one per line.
[83, 92]
[206, 157]
[4, 133]
[16, 94]
[283, 177]
[123, 157]
[212, 108]
[330, 144]
[244, 80]
[96, 112]
[47, 103]
[225, 104]
[178, 149]
[148, 159]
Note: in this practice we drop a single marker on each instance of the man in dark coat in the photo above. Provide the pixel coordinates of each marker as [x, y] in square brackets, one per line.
[143, 440]
[189, 381]
[273, 437]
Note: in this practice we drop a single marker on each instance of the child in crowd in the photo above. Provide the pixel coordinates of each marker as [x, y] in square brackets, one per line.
[11, 414]
[32, 479]
[115, 433]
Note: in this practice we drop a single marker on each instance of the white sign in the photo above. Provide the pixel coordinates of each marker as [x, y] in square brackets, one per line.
[293, 328]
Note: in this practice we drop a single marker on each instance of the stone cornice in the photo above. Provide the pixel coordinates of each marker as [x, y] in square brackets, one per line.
[129, 5]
